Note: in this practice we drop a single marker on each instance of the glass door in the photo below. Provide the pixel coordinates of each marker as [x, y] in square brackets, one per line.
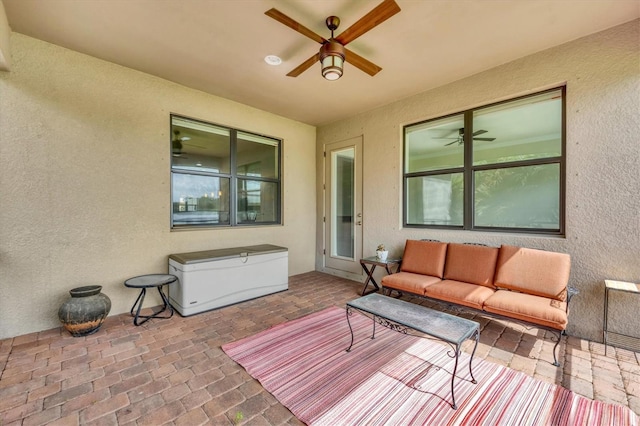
[343, 211]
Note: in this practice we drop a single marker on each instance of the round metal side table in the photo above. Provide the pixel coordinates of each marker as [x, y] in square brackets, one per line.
[143, 282]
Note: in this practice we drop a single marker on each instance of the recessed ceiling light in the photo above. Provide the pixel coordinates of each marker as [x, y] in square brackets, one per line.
[272, 60]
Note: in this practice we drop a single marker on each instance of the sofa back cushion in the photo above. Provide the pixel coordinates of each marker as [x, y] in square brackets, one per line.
[537, 272]
[424, 257]
[471, 264]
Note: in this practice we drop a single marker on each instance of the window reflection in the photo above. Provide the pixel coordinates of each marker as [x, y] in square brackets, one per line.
[526, 129]
[200, 147]
[257, 201]
[257, 156]
[500, 200]
[209, 162]
[200, 200]
[435, 199]
[435, 145]
[503, 170]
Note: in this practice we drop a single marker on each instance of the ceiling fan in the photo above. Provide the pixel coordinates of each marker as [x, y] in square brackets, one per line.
[460, 138]
[333, 52]
[176, 143]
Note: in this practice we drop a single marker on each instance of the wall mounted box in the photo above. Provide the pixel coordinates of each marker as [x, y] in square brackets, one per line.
[215, 278]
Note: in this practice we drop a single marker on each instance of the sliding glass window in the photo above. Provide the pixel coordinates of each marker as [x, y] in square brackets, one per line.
[500, 167]
[222, 177]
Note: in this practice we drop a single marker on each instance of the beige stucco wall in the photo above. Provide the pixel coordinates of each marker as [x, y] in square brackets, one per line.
[5, 43]
[602, 75]
[84, 181]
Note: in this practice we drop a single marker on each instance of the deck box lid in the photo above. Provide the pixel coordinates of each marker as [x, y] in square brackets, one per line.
[225, 253]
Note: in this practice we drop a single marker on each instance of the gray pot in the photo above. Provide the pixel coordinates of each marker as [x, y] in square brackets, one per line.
[85, 312]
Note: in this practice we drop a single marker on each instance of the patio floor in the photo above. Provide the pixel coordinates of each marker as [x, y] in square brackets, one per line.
[173, 371]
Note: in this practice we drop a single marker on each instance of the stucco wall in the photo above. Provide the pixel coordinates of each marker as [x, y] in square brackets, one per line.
[84, 181]
[5, 43]
[602, 75]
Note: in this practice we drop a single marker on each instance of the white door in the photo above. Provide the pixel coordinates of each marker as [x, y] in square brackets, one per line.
[343, 206]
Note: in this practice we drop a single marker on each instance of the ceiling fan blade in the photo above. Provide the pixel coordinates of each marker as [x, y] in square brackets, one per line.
[451, 143]
[361, 63]
[294, 25]
[479, 132]
[304, 66]
[192, 145]
[484, 139]
[375, 17]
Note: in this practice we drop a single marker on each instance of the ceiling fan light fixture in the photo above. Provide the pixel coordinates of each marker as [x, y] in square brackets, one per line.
[332, 60]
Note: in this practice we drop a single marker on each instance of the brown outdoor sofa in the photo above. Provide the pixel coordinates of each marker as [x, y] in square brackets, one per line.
[518, 283]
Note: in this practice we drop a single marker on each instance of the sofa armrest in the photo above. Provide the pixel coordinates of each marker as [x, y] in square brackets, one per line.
[571, 291]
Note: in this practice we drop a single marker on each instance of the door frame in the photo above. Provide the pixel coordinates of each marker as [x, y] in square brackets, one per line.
[348, 268]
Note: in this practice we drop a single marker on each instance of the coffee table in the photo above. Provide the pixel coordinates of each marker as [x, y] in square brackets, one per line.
[402, 317]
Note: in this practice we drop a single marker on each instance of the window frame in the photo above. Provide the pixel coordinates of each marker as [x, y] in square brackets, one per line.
[469, 169]
[233, 177]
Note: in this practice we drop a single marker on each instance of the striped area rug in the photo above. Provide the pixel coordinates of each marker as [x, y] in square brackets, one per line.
[397, 379]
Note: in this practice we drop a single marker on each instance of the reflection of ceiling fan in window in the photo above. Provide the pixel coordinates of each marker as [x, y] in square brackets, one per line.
[179, 143]
[460, 138]
[176, 143]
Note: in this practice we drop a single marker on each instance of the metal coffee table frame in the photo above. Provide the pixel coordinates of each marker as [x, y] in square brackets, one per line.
[402, 317]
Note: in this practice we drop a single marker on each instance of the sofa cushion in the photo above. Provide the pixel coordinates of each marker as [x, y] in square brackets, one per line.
[424, 257]
[538, 310]
[471, 264]
[537, 272]
[409, 282]
[466, 294]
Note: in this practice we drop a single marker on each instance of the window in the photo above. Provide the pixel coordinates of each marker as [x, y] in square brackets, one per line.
[222, 176]
[499, 167]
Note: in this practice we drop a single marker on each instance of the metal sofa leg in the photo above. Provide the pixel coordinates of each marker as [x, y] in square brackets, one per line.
[555, 349]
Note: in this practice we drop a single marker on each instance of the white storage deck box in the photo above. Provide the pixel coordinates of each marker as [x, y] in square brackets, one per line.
[215, 278]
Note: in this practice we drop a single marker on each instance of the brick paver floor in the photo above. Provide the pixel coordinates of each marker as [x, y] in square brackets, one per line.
[173, 371]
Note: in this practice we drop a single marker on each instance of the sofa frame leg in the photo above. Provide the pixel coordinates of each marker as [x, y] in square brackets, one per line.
[555, 349]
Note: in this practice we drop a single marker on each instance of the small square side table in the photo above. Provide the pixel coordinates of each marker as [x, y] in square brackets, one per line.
[369, 265]
[611, 285]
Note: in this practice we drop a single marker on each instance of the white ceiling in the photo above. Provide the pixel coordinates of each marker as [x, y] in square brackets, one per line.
[218, 46]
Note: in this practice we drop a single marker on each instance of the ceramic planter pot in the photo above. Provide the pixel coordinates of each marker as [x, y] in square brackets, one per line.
[382, 255]
[85, 311]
